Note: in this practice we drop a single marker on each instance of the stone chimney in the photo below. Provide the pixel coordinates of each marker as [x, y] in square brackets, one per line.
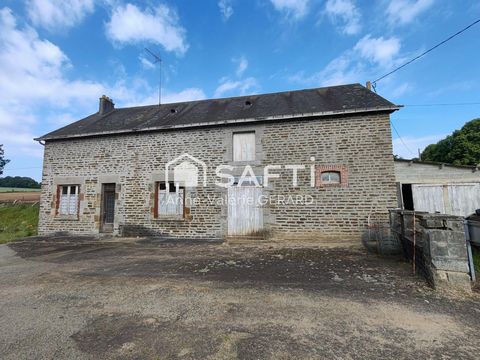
[105, 105]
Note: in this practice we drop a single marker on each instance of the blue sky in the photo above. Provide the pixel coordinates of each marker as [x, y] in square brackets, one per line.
[58, 57]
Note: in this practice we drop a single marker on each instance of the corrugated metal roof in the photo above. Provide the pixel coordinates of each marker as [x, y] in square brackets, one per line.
[318, 102]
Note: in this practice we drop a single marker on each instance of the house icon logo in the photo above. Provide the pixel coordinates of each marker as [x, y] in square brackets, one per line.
[187, 171]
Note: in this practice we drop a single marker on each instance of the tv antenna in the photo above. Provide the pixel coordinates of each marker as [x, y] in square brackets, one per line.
[158, 60]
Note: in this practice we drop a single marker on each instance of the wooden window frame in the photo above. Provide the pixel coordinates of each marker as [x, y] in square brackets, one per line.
[59, 199]
[156, 210]
[342, 170]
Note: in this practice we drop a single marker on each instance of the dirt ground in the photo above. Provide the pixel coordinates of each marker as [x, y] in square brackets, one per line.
[151, 299]
[23, 196]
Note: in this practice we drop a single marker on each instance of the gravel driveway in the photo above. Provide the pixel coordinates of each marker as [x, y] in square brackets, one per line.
[79, 298]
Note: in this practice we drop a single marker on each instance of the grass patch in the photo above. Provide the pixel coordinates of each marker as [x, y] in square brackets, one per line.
[17, 221]
[476, 260]
[13, 189]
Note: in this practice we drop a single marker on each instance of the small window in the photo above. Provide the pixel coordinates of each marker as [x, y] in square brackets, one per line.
[244, 146]
[170, 200]
[68, 200]
[330, 177]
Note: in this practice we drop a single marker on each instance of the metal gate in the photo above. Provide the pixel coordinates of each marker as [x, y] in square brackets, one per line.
[245, 213]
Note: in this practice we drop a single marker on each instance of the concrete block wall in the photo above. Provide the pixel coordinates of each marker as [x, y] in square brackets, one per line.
[440, 247]
[361, 143]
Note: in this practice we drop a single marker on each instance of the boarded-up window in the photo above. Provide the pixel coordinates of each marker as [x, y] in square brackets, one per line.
[244, 146]
[68, 199]
[171, 199]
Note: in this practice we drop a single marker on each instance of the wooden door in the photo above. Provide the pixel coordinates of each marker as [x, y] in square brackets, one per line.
[428, 198]
[464, 199]
[108, 208]
[245, 213]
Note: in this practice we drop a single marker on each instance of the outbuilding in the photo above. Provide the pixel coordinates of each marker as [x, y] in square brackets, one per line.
[437, 187]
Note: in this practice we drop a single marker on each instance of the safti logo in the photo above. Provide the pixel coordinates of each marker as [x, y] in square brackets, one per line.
[186, 173]
[189, 171]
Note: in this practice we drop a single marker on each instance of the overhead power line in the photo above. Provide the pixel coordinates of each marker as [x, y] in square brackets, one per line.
[401, 140]
[445, 104]
[374, 83]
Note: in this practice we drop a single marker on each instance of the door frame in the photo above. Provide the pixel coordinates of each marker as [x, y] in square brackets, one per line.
[107, 227]
[256, 233]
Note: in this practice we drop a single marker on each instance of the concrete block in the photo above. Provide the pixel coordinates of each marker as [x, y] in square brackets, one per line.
[438, 248]
[455, 225]
[447, 264]
[432, 223]
[451, 280]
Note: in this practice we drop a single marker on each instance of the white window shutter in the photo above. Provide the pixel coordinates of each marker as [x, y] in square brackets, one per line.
[244, 146]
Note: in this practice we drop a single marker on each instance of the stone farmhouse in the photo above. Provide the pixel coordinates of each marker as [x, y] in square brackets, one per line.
[310, 164]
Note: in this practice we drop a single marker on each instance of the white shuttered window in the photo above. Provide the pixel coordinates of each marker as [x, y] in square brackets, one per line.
[68, 200]
[244, 146]
[170, 199]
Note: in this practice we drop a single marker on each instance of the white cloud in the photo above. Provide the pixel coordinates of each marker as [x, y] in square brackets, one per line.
[407, 147]
[295, 8]
[369, 54]
[236, 87]
[147, 64]
[345, 14]
[168, 97]
[405, 11]
[58, 14]
[38, 96]
[379, 50]
[189, 94]
[226, 8]
[160, 25]
[242, 65]
[400, 90]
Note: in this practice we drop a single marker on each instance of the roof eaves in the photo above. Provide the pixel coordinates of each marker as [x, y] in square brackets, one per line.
[436, 163]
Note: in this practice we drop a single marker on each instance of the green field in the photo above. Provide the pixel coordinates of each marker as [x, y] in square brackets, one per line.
[17, 221]
[10, 189]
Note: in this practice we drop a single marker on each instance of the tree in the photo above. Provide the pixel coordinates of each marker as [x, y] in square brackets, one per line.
[460, 148]
[19, 182]
[3, 161]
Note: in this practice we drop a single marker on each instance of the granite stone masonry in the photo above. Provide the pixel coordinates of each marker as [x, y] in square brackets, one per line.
[360, 144]
[107, 173]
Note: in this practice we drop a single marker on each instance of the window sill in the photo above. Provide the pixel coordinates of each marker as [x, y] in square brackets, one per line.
[66, 218]
[245, 162]
[169, 218]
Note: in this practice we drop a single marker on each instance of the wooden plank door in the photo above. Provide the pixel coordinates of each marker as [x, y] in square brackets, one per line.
[245, 214]
[428, 198]
[464, 198]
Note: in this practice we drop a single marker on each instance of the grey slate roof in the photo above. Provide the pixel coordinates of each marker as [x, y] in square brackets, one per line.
[327, 101]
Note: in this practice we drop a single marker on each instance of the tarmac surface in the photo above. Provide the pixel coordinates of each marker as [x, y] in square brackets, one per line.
[65, 298]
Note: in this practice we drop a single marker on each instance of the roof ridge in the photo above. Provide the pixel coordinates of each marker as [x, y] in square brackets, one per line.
[238, 97]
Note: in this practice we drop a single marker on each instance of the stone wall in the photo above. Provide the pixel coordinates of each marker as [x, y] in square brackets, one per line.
[437, 245]
[359, 144]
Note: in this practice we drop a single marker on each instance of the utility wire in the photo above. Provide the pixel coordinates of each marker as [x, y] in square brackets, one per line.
[444, 104]
[25, 168]
[374, 83]
[403, 142]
